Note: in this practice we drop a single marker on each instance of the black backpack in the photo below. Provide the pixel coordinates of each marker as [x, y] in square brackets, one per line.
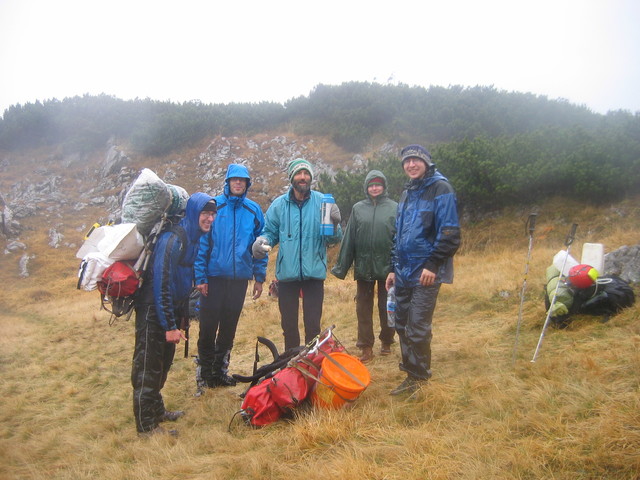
[612, 294]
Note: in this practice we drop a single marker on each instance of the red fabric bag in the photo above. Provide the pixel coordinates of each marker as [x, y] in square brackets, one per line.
[258, 407]
[119, 280]
[288, 388]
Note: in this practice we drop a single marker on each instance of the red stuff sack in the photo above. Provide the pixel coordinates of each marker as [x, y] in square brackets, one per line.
[288, 388]
[119, 280]
[258, 407]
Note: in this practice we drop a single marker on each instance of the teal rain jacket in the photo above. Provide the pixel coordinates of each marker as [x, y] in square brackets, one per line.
[296, 227]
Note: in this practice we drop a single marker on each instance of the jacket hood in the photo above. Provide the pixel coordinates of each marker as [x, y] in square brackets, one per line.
[371, 175]
[191, 220]
[240, 171]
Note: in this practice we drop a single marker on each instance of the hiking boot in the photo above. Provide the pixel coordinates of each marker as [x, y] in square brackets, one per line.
[171, 416]
[223, 380]
[367, 354]
[408, 386]
[385, 349]
[158, 431]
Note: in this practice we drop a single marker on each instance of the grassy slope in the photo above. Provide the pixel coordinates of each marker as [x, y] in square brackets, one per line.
[65, 396]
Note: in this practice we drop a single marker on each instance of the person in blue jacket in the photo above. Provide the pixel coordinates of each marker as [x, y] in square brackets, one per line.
[223, 269]
[293, 221]
[427, 237]
[160, 305]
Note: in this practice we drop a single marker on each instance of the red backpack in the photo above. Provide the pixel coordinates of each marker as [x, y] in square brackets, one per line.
[119, 280]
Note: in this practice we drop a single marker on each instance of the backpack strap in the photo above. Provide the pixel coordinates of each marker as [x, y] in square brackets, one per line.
[182, 235]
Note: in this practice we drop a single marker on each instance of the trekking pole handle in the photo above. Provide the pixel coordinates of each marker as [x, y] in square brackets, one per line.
[531, 223]
[572, 235]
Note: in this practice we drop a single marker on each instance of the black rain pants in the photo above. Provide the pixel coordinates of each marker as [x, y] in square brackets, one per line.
[414, 315]
[219, 315]
[152, 359]
[289, 293]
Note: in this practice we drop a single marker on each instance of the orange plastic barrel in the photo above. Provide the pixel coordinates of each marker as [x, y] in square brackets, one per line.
[342, 379]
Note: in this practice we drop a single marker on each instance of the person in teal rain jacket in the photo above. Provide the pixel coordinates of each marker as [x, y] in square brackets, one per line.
[223, 269]
[293, 222]
[367, 245]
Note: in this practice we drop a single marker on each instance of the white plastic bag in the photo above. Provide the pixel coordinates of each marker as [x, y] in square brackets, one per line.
[118, 242]
[91, 269]
[559, 259]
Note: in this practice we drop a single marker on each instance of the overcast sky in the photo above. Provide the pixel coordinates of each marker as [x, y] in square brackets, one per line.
[222, 51]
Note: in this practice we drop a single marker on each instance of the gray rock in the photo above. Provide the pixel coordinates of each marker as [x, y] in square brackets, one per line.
[55, 238]
[624, 262]
[14, 246]
[114, 161]
[24, 264]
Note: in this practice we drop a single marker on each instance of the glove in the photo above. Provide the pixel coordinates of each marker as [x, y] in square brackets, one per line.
[559, 309]
[335, 214]
[260, 248]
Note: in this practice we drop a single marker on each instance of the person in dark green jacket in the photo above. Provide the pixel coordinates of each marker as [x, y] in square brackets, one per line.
[367, 245]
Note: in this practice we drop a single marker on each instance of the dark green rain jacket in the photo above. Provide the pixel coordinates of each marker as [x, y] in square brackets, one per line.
[368, 237]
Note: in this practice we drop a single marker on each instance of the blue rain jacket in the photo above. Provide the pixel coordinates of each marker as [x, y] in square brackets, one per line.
[427, 231]
[171, 273]
[226, 250]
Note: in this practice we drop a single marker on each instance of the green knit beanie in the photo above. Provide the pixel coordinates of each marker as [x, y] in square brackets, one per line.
[296, 165]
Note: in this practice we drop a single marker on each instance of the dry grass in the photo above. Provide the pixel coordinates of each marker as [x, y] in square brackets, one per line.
[65, 408]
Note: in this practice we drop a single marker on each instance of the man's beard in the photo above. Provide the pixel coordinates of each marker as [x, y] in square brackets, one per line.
[301, 189]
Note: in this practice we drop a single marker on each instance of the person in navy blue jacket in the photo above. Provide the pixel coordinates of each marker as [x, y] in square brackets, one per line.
[160, 305]
[222, 271]
[427, 237]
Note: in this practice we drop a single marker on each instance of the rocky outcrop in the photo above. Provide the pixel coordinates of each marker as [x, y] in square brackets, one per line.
[624, 262]
[114, 162]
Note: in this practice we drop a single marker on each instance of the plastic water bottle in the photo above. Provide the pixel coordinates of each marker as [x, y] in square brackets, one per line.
[326, 225]
[391, 307]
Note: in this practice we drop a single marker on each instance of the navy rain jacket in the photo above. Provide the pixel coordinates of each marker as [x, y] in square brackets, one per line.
[172, 279]
[427, 231]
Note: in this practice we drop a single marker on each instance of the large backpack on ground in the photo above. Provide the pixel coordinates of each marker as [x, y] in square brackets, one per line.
[277, 388]
[607, 296]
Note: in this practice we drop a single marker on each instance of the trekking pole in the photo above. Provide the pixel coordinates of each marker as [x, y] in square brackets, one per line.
[568, 241]
[530, 226]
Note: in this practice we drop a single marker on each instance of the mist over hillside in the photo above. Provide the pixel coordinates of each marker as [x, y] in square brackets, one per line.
[67, 164]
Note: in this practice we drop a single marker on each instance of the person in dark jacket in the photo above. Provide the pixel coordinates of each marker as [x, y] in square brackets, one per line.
[160, 305]
[293, 221]
[367, 244]
[223, 269]
[427, 237]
